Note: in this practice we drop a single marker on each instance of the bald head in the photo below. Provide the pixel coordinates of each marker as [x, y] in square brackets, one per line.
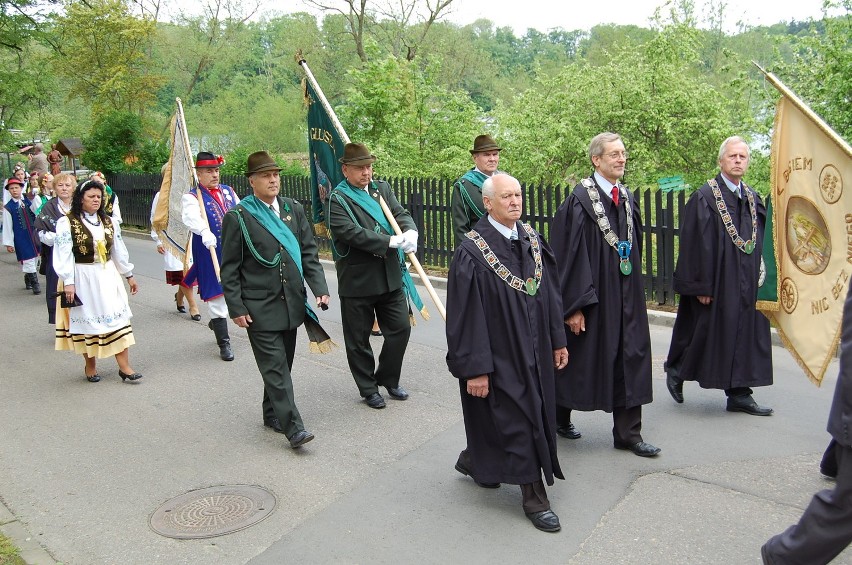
[503, 199]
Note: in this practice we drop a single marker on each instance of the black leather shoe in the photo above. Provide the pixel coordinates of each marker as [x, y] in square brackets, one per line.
[546, 520]
[397, 393]
[131, 377]
[569, 431]
[639, 448]
[462, 468]
[94, 378]
[675, 386]
[375, 400]
[273, 423]
[300, 438]
[747, 404]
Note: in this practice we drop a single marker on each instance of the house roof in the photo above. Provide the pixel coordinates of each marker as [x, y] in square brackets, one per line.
[72, 146]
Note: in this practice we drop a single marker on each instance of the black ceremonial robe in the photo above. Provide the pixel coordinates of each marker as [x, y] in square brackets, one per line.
[496, 330]
[609, 365]
[725, 344]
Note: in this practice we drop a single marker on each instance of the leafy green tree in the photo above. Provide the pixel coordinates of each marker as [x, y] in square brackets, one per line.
[671, 119]
[415, 126]
[821, 72]
[24, 90]
[105, 55]
[114, 142]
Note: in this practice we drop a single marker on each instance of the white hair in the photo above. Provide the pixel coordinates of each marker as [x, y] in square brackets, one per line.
[732, 139]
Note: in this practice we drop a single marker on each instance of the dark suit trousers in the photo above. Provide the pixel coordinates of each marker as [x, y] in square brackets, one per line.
[825, 529]
[391, 310]
[273, 353]
[626, 423]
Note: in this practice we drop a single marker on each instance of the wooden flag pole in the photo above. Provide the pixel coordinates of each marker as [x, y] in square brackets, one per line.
[212, 250]
[388, 214]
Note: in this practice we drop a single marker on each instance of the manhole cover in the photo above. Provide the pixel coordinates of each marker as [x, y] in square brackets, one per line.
[213, 511]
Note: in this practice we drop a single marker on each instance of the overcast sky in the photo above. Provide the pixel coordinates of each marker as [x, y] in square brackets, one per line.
[568, 14]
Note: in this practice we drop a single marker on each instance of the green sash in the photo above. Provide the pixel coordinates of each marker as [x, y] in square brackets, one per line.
[476, 178]
[271, 222]
[365, 202]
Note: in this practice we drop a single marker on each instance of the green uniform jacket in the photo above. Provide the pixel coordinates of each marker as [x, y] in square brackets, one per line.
[367, 265]
[464, 217]
[273, 297]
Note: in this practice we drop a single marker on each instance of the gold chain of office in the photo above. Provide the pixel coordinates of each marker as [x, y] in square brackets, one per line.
[746, 247]
[529, 286]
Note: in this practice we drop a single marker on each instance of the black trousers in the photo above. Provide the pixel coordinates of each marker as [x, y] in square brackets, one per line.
[626, 423]
[274, 353]
[825, 529]
[391, 311]
[51, 282]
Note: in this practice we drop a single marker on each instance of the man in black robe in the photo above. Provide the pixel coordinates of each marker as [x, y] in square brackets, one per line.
[719, 338]
[597, 238]
[825, 529]
[505, 336]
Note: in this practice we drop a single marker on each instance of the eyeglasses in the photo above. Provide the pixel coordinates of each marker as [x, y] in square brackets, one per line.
[617, 154]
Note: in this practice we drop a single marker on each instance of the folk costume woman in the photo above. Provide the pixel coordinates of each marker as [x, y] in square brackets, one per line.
[90, 258]
[19, 235]
[45, 223]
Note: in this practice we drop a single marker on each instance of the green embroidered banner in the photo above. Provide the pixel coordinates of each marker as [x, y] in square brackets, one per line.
[324, 149]
[767, 294]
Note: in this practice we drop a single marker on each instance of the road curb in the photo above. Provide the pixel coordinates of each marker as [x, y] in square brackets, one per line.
[30, 550]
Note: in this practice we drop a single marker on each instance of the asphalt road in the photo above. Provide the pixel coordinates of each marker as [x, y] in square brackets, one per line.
[83, 466]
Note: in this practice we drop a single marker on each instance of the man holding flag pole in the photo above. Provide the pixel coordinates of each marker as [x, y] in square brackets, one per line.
[371, 274]
[204, 207]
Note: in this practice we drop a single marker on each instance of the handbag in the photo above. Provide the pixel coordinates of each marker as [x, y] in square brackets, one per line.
[63, 300]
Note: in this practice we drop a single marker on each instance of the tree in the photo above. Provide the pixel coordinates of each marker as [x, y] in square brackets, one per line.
[22, 21]
[413, 125]
[672, 120]
[105, 56]
[114, 142]
[402, 25]
[821, 72]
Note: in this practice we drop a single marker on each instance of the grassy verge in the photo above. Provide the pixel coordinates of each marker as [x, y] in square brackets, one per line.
[9, 553]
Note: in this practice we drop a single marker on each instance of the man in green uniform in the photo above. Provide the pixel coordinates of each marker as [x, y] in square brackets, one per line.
[268, 253]
[466, 203]
[371, 274]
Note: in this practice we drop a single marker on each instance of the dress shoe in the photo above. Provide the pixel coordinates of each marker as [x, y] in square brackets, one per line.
[546, 520]
[196, 317]
[675, 386]
[93, 378]
[375, 400]
[397, 393]
[300, 438]
[462, 468]
[132, 376]
[273, 423]
[179, 303]
[639, 448]
[747, 404]
[569, 431]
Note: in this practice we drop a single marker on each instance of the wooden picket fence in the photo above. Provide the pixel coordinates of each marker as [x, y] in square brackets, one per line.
[428, 201]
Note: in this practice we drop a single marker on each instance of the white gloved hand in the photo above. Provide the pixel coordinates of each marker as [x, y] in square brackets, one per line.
[208, 239]
[396, 241]
[411, 235]
[409, 246]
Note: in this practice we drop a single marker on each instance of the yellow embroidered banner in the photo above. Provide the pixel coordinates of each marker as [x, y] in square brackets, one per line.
[812, 218]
